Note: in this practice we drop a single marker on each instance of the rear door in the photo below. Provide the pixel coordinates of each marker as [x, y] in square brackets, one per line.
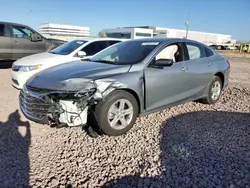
[22, 44]
[5, 42]
[198, 68]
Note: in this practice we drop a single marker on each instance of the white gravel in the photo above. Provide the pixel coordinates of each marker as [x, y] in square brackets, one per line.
[191, 145]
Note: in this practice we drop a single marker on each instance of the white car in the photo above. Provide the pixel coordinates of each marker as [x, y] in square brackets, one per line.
[24, 68]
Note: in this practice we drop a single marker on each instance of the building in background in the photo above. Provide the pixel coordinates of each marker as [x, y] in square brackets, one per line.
[151, 31]
[128, 33]
[63, 32]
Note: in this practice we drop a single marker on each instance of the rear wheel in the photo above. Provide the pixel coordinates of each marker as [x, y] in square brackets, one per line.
[117, 114]
[214, 91]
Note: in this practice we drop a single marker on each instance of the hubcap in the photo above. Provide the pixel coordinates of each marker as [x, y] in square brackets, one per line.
[120, 114]
[215, 91]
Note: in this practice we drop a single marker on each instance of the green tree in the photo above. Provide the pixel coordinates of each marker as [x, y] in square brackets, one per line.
[102, 34]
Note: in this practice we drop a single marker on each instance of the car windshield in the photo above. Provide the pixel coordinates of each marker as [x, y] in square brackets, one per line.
[68, 47]
[129, 52]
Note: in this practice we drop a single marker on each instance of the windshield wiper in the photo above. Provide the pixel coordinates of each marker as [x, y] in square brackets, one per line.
[103, 61]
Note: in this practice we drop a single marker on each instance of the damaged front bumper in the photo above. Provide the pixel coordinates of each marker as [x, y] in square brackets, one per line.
[67, 108]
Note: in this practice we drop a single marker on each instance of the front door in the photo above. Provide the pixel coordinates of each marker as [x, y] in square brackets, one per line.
[166, 85]
[5, 43]
[22, 44]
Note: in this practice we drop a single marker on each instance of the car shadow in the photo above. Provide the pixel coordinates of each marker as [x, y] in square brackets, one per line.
[200, 149]
[6, 64]
[14, 147]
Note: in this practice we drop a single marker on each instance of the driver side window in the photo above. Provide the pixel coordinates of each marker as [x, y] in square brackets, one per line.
[21, 32]
[171, 52]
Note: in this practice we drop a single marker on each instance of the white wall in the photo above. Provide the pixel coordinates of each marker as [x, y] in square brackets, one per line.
[60, 29]
[142, 30]
[195, 35]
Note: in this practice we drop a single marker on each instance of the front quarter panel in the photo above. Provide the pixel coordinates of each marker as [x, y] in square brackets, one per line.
[130, 81]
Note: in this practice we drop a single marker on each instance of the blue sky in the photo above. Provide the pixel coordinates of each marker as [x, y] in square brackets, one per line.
[218, 16]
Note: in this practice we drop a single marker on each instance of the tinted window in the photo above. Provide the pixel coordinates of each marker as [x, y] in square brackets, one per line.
[208, 52]
[111, 42]
[195, 51]
[128, 52]
[2, 30]
[21, 32]
[95, 47]
[119, 35]
[143, 34]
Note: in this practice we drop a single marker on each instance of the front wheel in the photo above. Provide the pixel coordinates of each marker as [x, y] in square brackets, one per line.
[214, 91]
[117, 114]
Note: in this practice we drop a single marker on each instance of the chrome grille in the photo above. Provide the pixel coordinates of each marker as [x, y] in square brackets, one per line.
[33, 106]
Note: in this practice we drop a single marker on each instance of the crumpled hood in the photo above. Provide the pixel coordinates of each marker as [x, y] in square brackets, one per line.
[57, 77]
[39, 58]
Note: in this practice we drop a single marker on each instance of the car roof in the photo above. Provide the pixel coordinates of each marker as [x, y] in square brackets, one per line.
[13, 23]
[100, 39]
[165, 40]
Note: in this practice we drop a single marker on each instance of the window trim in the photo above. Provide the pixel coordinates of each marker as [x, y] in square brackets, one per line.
[181, 44]
[187, 58]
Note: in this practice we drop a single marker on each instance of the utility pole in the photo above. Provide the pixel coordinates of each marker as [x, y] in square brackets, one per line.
[187, 25]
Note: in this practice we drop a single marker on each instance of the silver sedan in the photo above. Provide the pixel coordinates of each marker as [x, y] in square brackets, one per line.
[128, 79]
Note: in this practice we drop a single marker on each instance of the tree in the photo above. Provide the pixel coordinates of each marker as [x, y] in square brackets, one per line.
[102, 34]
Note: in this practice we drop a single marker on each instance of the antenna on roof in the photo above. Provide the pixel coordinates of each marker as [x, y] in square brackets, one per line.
[187, 25]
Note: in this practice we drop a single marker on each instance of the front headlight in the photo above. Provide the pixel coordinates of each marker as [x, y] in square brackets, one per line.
[29, 68]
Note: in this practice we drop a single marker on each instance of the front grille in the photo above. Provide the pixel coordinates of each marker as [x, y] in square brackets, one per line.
[33, 106]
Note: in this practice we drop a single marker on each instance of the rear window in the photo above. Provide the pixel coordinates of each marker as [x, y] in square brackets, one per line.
[208, 52]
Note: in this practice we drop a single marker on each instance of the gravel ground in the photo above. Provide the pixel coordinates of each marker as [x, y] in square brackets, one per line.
[191, 145]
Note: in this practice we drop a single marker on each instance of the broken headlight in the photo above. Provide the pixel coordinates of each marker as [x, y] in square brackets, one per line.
[85, 93]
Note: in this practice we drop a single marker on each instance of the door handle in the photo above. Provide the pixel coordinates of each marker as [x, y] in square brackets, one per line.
[183, 69]
[209, 64]
[15, 42]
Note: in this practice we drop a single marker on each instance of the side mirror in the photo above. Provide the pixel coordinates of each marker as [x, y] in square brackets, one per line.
[81, 54]
[163, 62]
[34, 37]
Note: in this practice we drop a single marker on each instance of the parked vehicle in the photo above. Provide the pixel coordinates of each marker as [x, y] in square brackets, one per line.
[17, 41]
[25, 67]
[214, 47]
[128, 79]
[232, 47]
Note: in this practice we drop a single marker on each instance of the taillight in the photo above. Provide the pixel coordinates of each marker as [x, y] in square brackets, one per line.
[228, 63]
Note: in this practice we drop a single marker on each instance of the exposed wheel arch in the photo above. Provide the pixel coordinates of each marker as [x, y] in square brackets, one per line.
[221, 76]
[136, 97]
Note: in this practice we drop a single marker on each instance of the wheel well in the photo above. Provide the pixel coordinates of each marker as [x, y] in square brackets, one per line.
[221, 76]
[135, 96]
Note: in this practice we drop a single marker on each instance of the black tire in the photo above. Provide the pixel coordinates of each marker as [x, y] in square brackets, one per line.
[208, 99]
[102, 109]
